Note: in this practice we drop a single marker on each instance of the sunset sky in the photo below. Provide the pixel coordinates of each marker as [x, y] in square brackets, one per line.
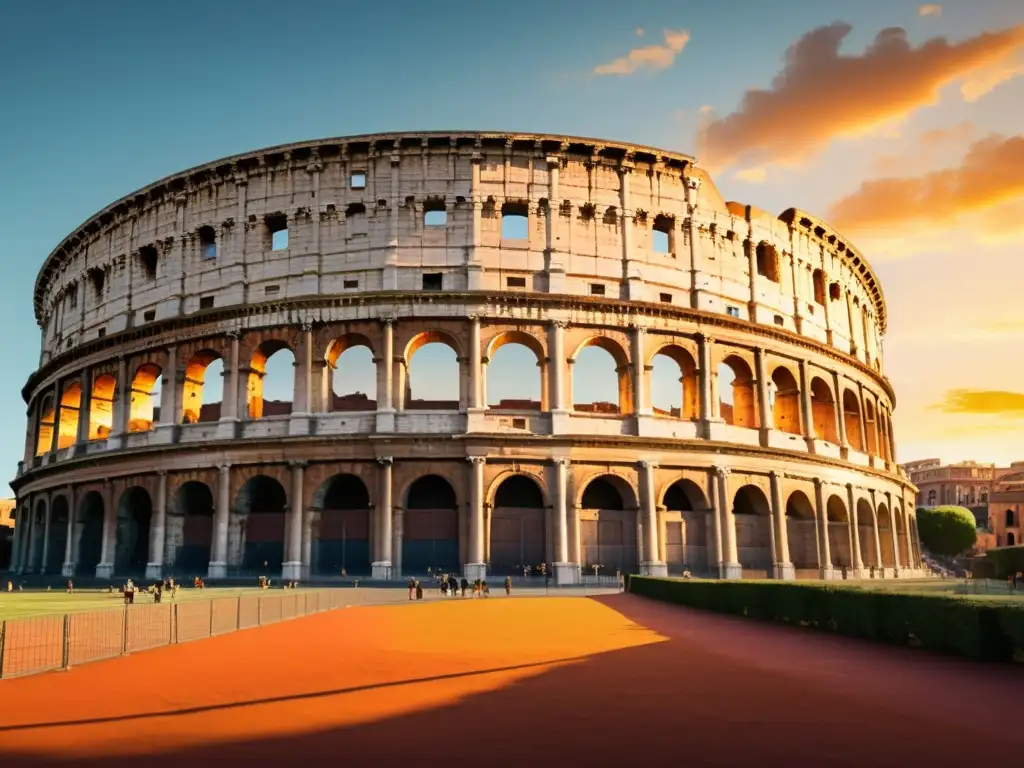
[898, 123]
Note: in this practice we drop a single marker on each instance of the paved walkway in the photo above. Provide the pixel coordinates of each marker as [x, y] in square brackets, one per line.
[549, 681]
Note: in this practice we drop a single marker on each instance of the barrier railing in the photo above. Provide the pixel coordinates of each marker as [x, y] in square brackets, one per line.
[37, 644]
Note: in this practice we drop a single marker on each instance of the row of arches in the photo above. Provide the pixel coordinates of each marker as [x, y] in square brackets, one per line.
[340, 533]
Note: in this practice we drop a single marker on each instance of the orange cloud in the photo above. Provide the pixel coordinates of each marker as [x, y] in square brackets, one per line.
[649, 56]
[929, 9]
[752, 175]
[992, 174]
[982, 401]
[820, 95]
[958, 132]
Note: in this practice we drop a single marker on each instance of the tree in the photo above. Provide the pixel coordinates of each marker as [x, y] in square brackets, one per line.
[946, 530]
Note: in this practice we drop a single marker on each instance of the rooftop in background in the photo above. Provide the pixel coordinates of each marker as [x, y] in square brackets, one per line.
[6, 508]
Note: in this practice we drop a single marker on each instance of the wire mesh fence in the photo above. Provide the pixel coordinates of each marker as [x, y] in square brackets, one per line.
[37, 644]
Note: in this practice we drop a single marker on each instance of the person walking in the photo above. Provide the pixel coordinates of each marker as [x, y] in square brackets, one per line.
[508, 585]
[419, 591]
[464, 584]
[412, 589]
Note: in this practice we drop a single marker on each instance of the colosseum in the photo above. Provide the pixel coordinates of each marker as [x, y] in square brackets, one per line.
[777, 461]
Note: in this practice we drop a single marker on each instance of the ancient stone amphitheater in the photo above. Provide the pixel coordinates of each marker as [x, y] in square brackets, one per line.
[778, 459]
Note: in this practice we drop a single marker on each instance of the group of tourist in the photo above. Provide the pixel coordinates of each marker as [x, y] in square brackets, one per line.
[451, 585]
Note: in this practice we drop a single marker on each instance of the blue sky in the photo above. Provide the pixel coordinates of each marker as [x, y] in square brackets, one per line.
[103, 97]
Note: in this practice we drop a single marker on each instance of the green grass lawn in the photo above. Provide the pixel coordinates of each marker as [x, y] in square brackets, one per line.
[16, 605]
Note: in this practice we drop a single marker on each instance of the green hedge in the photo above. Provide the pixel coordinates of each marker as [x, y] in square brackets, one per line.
[983, 630]
[1006, 560]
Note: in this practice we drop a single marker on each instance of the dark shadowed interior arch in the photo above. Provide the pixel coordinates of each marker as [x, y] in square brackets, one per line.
[58, 534]
[686, 541]
[343, 540]
[90, 533]
[800, 532]
[517, 527]
[262, 503]
[608, 530]
[134, 513]
[838, 532]
[866, 534]
[430, 538]
[752, 517]
[190, 529]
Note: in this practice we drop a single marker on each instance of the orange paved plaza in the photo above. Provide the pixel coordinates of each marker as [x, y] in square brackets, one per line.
[540, 681]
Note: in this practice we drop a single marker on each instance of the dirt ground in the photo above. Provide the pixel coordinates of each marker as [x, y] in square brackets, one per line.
[543, 681]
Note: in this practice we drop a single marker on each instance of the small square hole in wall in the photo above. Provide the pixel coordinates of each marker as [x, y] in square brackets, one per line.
[357, 180]
[435, 218]
[518, 423]
[206, 302]
[432, 281]
[100, 333]
[515, 282]
[272, 290]
[665, 297]
[149, 316]
[351, 284]
[732, 311]
[596, 289]
[779, 320]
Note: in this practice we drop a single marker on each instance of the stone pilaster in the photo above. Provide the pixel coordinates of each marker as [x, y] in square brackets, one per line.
[731, 568]
[653, 564]
[565, 571]
[157, 532]
[783, 567]
[219, 551]
[292, 568]
[476, 568]
[382, 566]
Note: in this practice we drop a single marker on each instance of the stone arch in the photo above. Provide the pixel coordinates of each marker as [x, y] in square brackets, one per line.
[37, 514]
[866, 533]
[189, 529]
[885, 536]
[258, 406]
[520, 399]
[89, 530]
[345, 388]
[342, 540]
[143, 404]
[823, 411]
[786, 401]
[101, 406]
[1010, 519]
[194, 395]
[624, 403]
[1011, 540]
[447, 403]
[518, 524]
[687, 498]
[608, 525]
[852, 420]
[689, 382]
[46, 423]
[800, 531]
[902, 541]
[752, 517]
[70, 404]
[59, 512]
[838, 532]
[134, 516]
[737, 401]
[870, 428]
[261, 507]
[430, 535]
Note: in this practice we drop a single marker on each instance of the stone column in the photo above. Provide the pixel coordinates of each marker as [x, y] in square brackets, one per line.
[731, 568]
[806, 408]
[764, 405]
[307, 543]
[893, 535]
[476, 568]
[68, 569]
[654, 565]
[384, 511]
[227, 428]
[122, 409]
[825, 568]
[105, 567]
[219, 551]
[385, 378]
[169, 414]
[856, 559]
[784, 567]
[641, 400]
[25, 560]
[298, 423]
[837, 388]
[565, 572]
[708, 406]
[19, 526]
[554, 263]
[292, 568]
[155, 566]
[55, 435]
[557, 364]
[880, 565]
[84, 410]
[46, 533]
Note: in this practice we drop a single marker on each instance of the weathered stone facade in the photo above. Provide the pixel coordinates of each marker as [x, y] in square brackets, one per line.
[395, 241]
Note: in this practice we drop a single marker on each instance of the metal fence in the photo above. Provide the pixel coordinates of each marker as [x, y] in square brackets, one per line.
[37, 644]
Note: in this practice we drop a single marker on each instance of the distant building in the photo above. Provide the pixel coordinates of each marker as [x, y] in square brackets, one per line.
[6, 531]
[1006, 505]
[963, 484]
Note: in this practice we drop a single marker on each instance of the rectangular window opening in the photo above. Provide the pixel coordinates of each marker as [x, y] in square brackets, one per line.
[665, 298]
[149, 259]
[351, 284]
[207, 243]
[149, 316]
[100, 333]
[515, 282]
[518, 423]
[357, 180]
[515, 222]
[272, 290]
[779, 320]
[277, 225]
[661, 234]
[732, 311]
[435, 218]
[432, 281]
[206, 302]
[596, 289]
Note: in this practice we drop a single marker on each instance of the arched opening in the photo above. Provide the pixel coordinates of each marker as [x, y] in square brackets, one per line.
[785, 394]
[434, 374]
[871, 427]
[517, 526]
[901, 536]
[34, 558]
[70, 403]
[262, 507]
[752, 515]
[430, 538]
[608, 527]
[89, 529]
[343, 539]
[189, 532]
[838, 532]
[271, 380]
[818, 280]
[600, 378]
[1011, 540]
[514, 373]
[823, 410]
[145, 398]
[885, 536]
[851, 417]
[675, 391]
[736, 399]
[134, 513]
[353, 374]
[866, 534]
[1010, 519]
[203, 390]
[101, 407]
[686, 542]
[800, 532]
[44, 432]
[768, 262]
[58, 535]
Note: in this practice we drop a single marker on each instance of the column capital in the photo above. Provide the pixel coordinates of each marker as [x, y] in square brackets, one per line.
[161, 473]
[648, 464]
[385, 461]
[722, 472]
[473, 317]
[560, 461]
[849, 487]
[306, 326]
[563, 324]
[387, 319]
[775, 475]
[477, 460]
[234, 334]
[705, 338]
[692, 182]
[298, 464]
[637, 328]
[224, 467]
[818, 482]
